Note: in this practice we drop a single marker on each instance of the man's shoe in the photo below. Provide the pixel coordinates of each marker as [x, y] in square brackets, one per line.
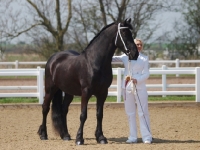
[147, 142]
[131, 141]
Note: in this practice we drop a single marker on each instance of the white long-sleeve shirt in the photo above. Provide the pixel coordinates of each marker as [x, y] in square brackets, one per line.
[139, 69]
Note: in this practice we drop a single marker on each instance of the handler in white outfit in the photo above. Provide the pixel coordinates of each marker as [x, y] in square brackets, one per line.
[139, 70]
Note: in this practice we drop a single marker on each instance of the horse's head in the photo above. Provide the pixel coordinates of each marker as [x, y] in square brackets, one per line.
[124, 40]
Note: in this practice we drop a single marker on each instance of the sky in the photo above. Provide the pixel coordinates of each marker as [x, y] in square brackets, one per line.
[166, 18]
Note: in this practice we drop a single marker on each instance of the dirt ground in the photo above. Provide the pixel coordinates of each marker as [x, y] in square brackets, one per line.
[173, 128]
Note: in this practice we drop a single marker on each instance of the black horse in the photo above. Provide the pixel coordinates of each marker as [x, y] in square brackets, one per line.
[85, 74]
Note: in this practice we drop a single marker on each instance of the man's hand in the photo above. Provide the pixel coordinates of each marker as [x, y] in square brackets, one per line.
[134, 81]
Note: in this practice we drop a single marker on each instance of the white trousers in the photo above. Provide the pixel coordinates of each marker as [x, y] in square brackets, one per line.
[132, 103]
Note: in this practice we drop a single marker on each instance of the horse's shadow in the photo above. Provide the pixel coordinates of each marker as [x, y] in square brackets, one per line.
[155, 140]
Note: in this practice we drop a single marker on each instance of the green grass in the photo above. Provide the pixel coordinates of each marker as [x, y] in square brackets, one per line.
[172, 98]
[172, 75]
[18, 100]
[109, 99]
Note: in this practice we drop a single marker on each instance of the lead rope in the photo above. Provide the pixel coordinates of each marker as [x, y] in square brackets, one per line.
[142, 110]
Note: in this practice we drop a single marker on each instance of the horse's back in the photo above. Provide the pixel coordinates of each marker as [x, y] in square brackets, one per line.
[59, 56]
[64, 53]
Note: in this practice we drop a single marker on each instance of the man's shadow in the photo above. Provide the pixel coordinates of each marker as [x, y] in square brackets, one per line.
[155, 140]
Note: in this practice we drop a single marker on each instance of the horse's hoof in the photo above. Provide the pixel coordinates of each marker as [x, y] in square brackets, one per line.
[103, 142]
[66, 138]
[43, 138]
[81, 142]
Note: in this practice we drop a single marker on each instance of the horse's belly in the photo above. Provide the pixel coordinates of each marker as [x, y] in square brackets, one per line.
[72, 92]
[67, 84]
[72, 89]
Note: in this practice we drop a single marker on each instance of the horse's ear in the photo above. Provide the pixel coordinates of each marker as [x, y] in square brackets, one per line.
[127, 22]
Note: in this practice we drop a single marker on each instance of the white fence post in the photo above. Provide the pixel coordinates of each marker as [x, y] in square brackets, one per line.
[119, 80]
[40, 85]
[197, 85]
[177, 65]
[16, 64]
[164, 82]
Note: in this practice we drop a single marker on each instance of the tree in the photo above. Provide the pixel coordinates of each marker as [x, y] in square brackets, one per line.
[49, 21]
[97, 14]
[142, 12]
[187, 40]
[44, 18]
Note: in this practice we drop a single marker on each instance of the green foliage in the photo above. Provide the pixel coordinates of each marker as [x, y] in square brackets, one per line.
[186, 42]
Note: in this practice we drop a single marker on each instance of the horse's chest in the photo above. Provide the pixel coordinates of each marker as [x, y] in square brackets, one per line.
[102, 80]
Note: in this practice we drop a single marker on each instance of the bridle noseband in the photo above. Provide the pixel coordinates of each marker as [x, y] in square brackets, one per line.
[119, 33]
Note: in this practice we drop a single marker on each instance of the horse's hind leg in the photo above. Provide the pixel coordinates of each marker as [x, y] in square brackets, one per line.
[66, 102]
[100, 138]
[59, 112]
[45, 109]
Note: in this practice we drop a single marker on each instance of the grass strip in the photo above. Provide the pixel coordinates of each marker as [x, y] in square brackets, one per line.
[93, 99]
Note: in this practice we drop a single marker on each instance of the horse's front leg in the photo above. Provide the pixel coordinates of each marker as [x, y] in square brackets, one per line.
[84, 101]
[66, 102]
[100, 104]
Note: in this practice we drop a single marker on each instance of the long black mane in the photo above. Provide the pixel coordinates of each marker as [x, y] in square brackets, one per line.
[99, 34]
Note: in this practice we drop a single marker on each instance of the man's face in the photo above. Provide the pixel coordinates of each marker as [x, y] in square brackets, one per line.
[139, 45]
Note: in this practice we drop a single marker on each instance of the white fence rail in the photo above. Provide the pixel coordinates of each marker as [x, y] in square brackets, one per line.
[177, 62]
[39, 73]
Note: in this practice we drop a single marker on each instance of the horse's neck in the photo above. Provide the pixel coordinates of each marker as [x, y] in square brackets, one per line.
[100, 53]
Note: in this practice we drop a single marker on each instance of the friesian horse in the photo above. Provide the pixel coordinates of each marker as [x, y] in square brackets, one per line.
[85, 74]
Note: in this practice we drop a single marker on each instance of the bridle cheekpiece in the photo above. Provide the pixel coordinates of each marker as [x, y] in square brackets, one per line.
[119, 33]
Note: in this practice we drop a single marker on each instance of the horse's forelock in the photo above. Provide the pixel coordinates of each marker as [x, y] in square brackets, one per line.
[127, 23]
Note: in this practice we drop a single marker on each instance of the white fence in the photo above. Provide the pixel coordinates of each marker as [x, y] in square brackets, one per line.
[177, 63]
[39, 72]
[164, 71]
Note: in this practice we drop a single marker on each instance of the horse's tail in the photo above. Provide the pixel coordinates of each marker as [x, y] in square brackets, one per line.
[57, 113]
